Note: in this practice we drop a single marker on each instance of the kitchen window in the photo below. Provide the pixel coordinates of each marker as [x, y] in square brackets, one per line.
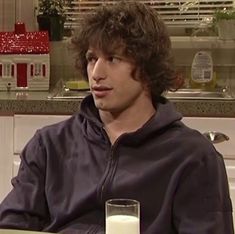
[178, 14]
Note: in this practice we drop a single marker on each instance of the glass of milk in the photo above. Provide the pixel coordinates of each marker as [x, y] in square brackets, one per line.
[122, 216]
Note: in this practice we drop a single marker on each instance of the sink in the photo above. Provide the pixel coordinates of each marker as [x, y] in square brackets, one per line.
[199, 94]
[62, 91]
[191, 94]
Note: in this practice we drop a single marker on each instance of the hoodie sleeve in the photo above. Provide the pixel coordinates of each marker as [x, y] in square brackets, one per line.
[202, 203]
[25, 207]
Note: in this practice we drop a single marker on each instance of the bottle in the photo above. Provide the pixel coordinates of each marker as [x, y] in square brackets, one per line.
[202, 73]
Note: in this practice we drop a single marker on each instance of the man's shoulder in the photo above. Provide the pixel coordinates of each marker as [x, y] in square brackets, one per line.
[194, 142]
[70, 124]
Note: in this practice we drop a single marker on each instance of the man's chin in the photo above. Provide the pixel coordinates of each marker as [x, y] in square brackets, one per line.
[104, 107]
[100, 105]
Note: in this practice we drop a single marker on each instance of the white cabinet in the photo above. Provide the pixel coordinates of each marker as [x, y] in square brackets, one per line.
[15, 132]
[6, 152]
[221, 125]
[226, 148]
[15, 165]
[26, 125]
[230, 166]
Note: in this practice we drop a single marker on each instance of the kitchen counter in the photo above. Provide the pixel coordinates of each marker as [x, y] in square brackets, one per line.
[38, 103]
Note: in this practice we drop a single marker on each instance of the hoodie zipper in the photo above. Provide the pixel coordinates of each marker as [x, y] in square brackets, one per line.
[108, 174]
[111, 165]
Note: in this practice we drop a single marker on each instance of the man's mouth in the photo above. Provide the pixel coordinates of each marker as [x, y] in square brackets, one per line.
[100, 90]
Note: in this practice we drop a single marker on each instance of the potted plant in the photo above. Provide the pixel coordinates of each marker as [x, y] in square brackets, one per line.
[225, 23]
[51, 17]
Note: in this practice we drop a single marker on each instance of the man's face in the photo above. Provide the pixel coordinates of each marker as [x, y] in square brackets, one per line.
[112, 86]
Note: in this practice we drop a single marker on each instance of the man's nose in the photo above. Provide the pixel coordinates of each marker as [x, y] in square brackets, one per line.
[99, 69]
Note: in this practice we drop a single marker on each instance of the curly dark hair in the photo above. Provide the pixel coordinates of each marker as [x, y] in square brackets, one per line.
[143, 35]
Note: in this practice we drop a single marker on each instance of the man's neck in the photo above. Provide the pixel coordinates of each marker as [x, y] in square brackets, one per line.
[127, 121]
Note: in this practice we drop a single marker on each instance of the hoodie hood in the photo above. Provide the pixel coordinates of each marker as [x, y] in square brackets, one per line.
[165, 115]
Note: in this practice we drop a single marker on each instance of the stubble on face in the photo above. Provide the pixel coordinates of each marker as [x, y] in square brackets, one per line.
[124, 94]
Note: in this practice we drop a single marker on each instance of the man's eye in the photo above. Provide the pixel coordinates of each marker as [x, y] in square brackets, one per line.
[114, 59]
[91, 59]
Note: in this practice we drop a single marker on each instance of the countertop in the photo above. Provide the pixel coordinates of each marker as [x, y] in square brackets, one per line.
[36, 102]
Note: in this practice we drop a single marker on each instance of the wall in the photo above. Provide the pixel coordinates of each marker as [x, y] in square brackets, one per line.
[62, 60]
[7, 15]
[12, 11]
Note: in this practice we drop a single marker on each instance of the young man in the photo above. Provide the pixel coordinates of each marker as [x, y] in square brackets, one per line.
[126, 142]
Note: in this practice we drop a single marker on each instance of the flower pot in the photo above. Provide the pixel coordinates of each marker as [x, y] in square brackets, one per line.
[53, 24]
[226, 29]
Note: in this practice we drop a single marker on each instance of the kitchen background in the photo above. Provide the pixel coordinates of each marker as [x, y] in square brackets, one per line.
[23, 112]
[189, 23]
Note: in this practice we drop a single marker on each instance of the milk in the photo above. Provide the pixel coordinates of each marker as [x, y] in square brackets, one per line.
[122, 224]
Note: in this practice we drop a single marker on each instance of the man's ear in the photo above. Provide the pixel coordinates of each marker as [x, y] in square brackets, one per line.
[146, 86]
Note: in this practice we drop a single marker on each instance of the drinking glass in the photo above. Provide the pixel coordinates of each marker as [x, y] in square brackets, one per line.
[122, 216]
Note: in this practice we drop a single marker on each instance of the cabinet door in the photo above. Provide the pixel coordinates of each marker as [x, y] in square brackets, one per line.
[6, 152]
[26, 125]
[230, 167]
[226, 148]
[15, 132]
[220, 125]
